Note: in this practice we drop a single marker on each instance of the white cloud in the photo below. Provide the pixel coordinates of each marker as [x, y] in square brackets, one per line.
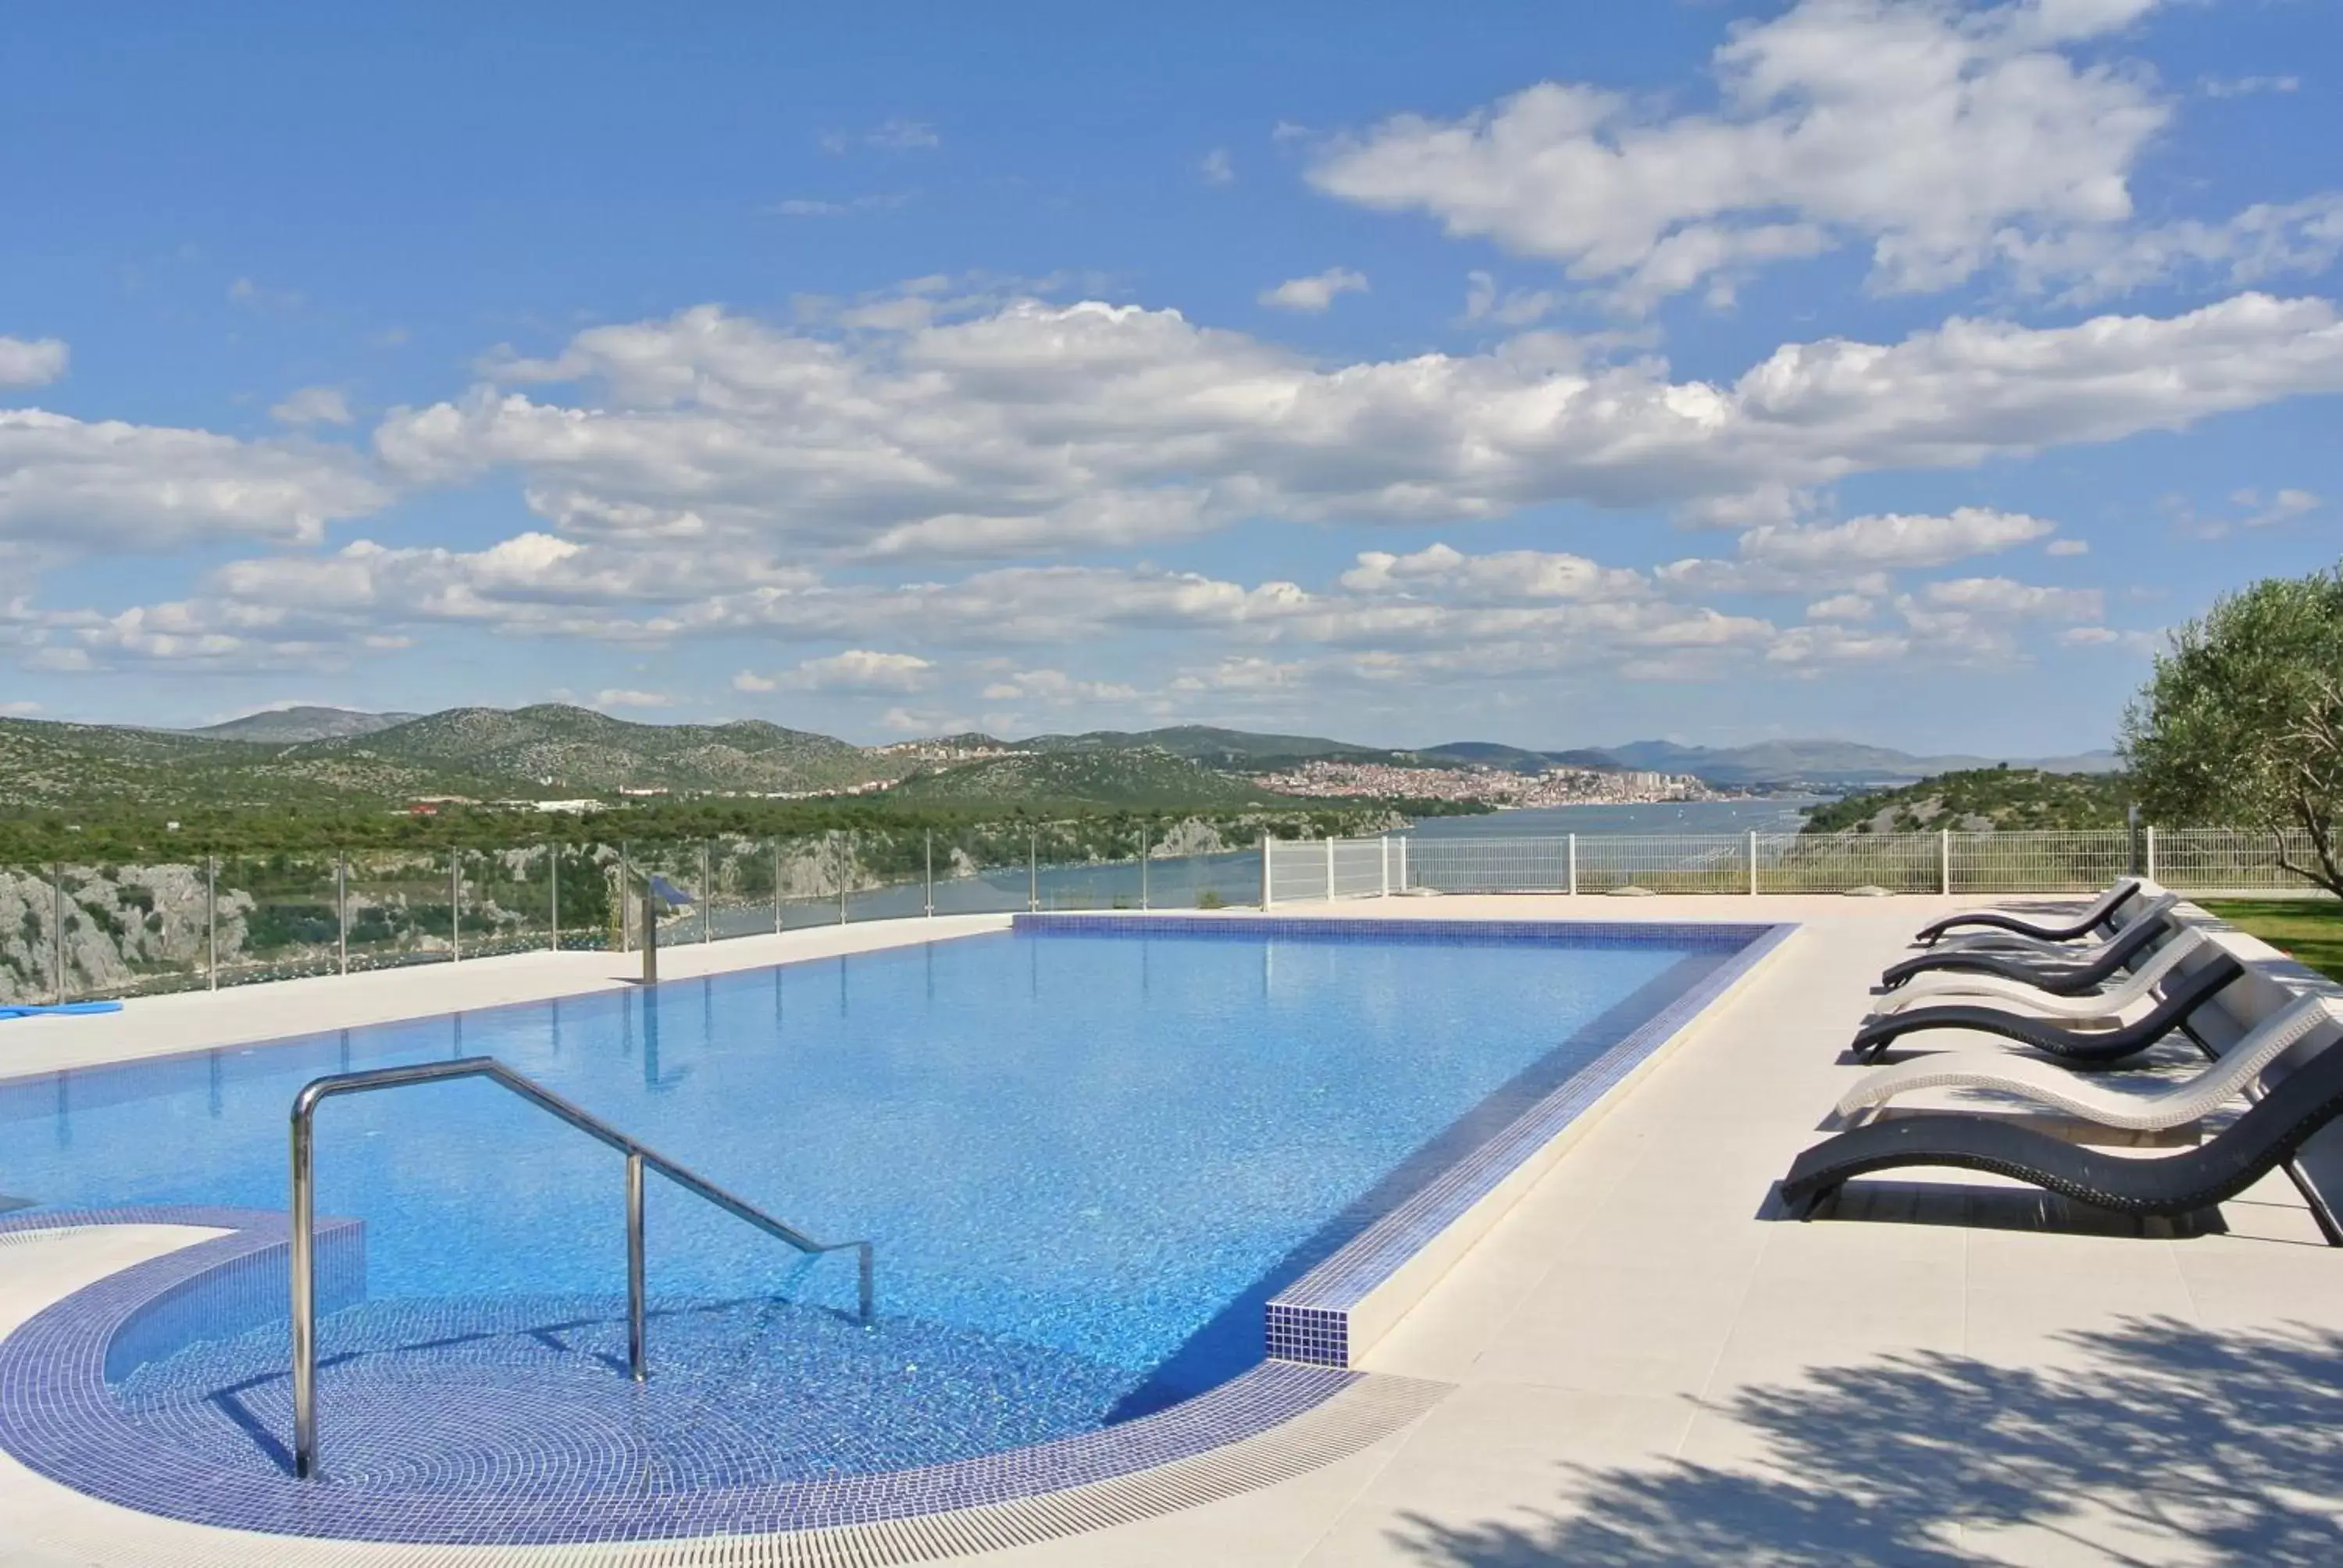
[2246, 87]
[1891, 540]
[2264, 241]
[32, 362]
[1057, 688]
[621, 697]
[313, 406]
[872, 201]
[1316, 292]
[1927, 130]
[2067, 547]
[1504, 577]
[1036, 426]
[77, 485]
[2253, 512]
[1217, 167]
[19, 709]
[1807, 648]
[856, 670]
[2014, 600]
[1842, 606]
[1513, 307]
[896, 136]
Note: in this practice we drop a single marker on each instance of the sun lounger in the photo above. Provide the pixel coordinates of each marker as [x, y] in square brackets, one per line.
[2108, 1001]
[2090, 920]
[2070, 978]
[2017, 946]
[2133, 1105]
[2305, 1100]
[2183, 995]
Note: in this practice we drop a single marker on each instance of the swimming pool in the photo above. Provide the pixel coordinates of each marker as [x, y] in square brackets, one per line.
[1087, 1155]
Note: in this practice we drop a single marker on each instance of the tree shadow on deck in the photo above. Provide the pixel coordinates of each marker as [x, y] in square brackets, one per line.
[2156, 1441]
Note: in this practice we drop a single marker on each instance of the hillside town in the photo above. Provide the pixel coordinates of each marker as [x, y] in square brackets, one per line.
[1486, 785]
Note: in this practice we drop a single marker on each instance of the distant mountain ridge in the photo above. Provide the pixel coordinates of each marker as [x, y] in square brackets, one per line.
[304, 758]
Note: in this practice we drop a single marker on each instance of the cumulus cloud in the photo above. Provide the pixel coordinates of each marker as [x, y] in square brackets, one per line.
[313, 406]
[1857, 555]
[2266, 241]
[2067, 547]
[1513, 307]
[1502, 577]
[1035, 427]
[106, 485]
[1841, 607]
[1316, 292]
[1057, 688]
[623, 697]
[1931, 132]
[1218, 168]
[855, 670]
[32, 362]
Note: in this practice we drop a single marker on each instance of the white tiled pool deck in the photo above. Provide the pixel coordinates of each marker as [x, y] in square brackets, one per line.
[1648, 1365]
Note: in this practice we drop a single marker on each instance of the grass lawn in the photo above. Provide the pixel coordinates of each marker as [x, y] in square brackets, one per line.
[2309, 930]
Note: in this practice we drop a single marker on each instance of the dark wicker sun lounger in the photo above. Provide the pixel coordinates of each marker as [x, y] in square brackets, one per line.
[2090, 920]
[2090, 965]
[2172, 1185]
[2183, 995]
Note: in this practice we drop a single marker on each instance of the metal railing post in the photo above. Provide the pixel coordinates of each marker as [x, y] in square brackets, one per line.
[1403, 862]
[211, 922]
[1382, 860]
[650, 937]
[1267, 895]
[1944, 861]
[303, 1251]
[553, 892]
[707, 895]
[456, 906]
[1573, 852]
[1330, 868]
[57, 930]
[2148, 835]
[1033, 870]
[626, 883]
[845, 846]
[638, 1364]
[1146, 844]
[777, 887]
[929, 885]
[342, 904]
[1753, 863]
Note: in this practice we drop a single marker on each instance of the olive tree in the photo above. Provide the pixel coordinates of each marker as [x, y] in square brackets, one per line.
[2242, 723]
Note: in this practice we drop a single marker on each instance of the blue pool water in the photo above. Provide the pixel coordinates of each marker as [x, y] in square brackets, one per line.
[1085, 1162]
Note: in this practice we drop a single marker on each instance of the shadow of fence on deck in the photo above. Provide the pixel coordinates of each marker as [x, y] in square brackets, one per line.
[2156, 1441]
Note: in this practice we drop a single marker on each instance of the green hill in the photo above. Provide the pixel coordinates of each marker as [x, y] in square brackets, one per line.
[1203, 743]
[286, 725]
[56, 767]
[1978, 799]
[1113, 780]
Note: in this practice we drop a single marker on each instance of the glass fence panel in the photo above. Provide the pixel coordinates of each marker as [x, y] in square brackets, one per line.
[400, 905]
[1089, 864]
[101, 930]
[986, 867]
[278, 916]
[887, 873]
[507, 900]
[583, 901]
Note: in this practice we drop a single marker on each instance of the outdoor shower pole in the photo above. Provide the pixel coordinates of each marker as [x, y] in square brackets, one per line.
[1330, 868]
[342, 904]
[650, 934]
[2148, 835]
[455, 906]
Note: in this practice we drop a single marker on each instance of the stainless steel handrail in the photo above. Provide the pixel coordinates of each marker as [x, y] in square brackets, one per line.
[639, 1155]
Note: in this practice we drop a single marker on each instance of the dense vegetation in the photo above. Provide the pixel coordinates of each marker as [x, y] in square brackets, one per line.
[1977, 799]
[2242, 722]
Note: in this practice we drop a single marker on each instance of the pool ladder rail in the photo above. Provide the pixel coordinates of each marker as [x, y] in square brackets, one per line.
[639, 1157]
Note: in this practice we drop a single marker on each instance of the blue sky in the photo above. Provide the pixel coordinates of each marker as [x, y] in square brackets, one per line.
[1561, 374]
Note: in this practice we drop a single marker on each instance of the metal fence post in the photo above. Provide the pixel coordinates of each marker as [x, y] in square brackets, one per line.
[1385, 859]
[1403, 862]
[1330, 868]
[553, 892]
[707, 895]
[455, 906]
[1573, 852]
[1753, 863]
[1033, 870]
[777, 887]
[843, 845]
[626, 897]
[57, 930]
[2148, 835]
[342, 904]
[1146, 845]
[1267, 897]
[211, 922]
[1944, 861]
